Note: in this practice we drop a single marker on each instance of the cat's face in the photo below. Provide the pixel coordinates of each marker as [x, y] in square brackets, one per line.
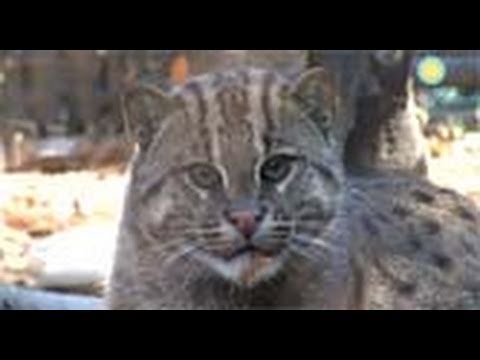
[235, 173]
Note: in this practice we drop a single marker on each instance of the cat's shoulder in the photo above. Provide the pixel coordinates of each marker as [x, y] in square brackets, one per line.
[416, 231]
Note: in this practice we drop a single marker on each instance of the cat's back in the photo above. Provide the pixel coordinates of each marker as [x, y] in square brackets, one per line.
[423, 242]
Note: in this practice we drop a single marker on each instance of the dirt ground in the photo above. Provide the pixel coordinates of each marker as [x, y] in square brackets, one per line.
[34, 206]
[460, 169]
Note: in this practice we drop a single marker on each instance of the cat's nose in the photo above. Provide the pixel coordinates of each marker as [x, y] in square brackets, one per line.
[246, 222]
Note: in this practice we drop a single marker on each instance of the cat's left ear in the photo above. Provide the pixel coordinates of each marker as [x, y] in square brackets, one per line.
[144, 108]
[314, 90]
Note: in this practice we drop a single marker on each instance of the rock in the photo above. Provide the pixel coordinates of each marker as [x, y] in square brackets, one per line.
[79, 259]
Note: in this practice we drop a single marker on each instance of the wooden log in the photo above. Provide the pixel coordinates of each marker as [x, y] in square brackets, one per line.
[15, 298]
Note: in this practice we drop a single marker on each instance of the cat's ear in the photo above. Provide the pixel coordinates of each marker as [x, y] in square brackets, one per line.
[314, 90]
[144, 107]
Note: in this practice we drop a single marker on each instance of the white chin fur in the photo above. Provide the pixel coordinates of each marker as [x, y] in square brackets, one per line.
[246, 270]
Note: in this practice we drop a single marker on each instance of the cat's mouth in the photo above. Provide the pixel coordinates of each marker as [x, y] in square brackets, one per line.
[253, 250]
[246, 266]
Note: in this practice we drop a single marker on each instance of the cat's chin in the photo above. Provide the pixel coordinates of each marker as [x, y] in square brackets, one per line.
[247, 269]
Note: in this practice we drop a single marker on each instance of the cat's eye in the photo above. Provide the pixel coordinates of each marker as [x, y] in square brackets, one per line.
[277, 168]
[205, 176]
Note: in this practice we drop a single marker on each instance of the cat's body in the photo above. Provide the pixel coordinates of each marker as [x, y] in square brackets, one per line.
[238, 200]
[423, 243]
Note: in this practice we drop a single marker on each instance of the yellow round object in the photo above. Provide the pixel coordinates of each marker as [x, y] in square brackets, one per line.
[432, 70]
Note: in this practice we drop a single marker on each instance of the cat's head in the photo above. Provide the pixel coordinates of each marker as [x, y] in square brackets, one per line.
[236, 172]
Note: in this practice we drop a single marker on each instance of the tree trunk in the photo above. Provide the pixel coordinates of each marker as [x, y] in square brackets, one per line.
[388, 134]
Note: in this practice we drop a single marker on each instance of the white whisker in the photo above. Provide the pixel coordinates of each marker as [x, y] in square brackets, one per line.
[177, 256]
[324, 244]
[301, 251]
[306, 241]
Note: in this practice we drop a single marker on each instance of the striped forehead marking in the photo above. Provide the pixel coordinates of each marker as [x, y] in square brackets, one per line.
[224, 99]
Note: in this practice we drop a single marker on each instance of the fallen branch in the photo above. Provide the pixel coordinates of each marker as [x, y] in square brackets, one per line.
[15, 298]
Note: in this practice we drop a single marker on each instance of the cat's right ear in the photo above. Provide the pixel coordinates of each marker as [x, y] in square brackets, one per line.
[144, 107]
[315, 91]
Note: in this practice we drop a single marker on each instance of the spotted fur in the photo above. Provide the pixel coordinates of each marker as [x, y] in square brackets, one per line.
[323, 241]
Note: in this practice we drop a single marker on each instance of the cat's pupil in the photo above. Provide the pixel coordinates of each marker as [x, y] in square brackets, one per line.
[205, 177]
[276, 169]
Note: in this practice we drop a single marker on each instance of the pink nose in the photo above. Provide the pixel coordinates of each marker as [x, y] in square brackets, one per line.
[245, 222]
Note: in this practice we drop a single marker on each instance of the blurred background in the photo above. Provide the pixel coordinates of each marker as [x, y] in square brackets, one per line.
[65, 146]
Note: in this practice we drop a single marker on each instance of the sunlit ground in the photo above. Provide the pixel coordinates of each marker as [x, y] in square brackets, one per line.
[460, 169]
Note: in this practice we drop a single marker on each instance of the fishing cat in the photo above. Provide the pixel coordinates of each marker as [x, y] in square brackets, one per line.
[239, 200]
